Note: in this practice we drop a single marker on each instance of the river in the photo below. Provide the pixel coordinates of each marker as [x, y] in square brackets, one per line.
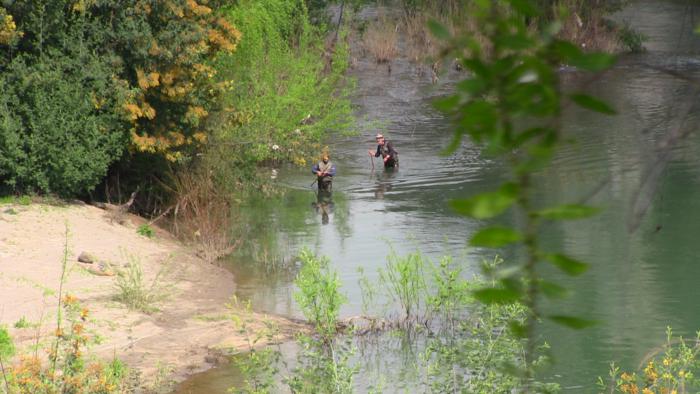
[644, 268]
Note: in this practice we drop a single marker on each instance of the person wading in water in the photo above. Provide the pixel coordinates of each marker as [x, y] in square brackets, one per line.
[324, 171]
[387, 151]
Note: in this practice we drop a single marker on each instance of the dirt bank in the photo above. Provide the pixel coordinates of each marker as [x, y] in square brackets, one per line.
[189, 325]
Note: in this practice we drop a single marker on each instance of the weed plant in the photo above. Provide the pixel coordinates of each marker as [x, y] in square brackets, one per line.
[146, 230]
[467, 345]
[134, 292]
[319, 294]
[202, 214]
[259, 365]
[367, 290]
[163, 382]
[449, 292]
[631, 39]
[403, 280]
[670, 369]
[22, 323]
[19, 200]
[381, 40]
[324, 360]
[323, 367]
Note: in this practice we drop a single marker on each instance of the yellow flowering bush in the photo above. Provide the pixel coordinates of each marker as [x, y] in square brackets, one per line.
[175, 90]
[66, 369]
[667, 371]
[8, 28]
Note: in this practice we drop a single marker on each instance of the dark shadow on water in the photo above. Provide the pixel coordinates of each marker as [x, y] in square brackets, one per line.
[323, 205]
[385, 182]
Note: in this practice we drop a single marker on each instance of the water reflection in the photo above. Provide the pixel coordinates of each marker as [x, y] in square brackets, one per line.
[323, 205]
[385, 182]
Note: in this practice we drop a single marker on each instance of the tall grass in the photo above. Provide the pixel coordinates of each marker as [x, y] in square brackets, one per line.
[134, 292]
[202, 214]
[381, 40]
[404, 280]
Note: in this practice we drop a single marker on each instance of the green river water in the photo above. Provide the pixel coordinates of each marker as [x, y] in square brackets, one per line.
[645, 270]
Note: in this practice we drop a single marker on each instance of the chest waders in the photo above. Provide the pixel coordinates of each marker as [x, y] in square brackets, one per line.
[325, 183]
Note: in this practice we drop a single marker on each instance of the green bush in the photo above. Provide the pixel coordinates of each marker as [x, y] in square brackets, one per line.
[52, 138]
[146, 231]
[60, 103]
[287, 89]
[319, 294]
[631, 39]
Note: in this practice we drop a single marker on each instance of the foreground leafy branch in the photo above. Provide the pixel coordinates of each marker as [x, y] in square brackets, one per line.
[511, 103]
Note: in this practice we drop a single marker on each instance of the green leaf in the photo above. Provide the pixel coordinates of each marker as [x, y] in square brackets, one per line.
[567, 264]
[472, 86]
[576, 323]
[540, 156]
[566, 51]
[594, 62]
[518, 329]
[507, 273]
[478, 67]
[439, 30]
[454, 144]
[573, 55]
[524, 7]
[494, 295]
[568, 212]
[529, 134]
[515, 42]
[553, 290]
[495, 237]
[487, 205]
[446, 104]
[592, 103]
[479, 118]
[7, 347]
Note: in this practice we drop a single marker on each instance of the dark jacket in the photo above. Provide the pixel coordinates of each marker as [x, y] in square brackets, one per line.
[388, 150]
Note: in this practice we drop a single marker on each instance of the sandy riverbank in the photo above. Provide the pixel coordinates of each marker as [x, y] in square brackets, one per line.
[189, 326]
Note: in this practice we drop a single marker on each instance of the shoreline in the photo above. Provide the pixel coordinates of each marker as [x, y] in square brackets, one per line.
[187, 333]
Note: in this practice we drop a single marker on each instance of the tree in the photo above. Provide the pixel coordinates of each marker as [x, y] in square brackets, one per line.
[85, 80]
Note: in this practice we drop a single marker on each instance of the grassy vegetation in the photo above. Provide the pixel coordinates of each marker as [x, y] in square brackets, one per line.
[319, 294]
[133, 289]
[403, 279]
[18, 200]
[380, 40]
[260, 361]
[146, 230]
[22, 323]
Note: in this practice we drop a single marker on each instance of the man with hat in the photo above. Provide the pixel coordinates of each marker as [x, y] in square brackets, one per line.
[324, 171]
[387, 151]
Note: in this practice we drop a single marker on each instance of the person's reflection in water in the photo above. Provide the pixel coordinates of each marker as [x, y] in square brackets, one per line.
[384, 183]
[323, 205]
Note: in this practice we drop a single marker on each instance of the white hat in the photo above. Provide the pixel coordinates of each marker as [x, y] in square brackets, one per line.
[379, 136]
